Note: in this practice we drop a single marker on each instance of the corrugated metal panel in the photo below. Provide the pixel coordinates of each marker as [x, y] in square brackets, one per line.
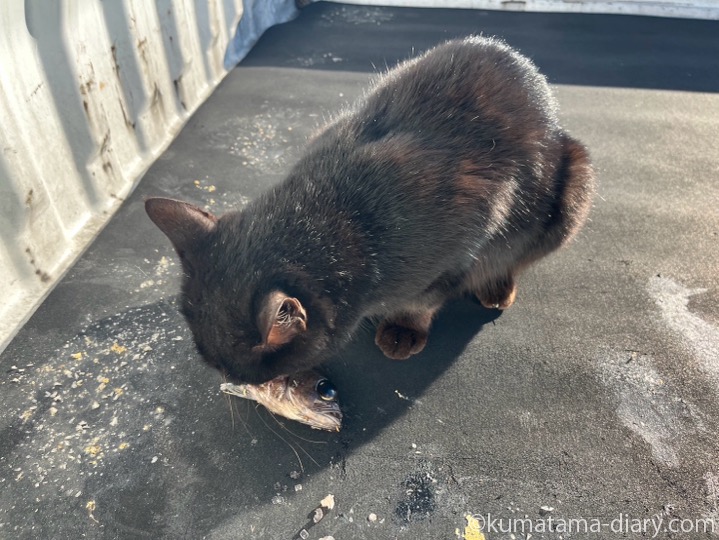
[91, 93]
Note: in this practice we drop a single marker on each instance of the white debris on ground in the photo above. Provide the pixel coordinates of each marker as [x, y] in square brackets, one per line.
[328, 502]
[78, 409]
[159, 274]
[256, 140]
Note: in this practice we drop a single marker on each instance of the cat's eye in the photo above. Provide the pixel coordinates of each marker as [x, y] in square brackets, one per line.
[326, 390]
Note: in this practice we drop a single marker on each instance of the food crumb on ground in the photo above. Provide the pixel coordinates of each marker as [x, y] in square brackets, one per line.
[372, 517]
[328, 502]
[90, 507]
[298, 487]
[93, 450]
[117, 348]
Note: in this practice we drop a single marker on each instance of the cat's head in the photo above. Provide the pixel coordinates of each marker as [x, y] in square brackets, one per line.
[251, 325]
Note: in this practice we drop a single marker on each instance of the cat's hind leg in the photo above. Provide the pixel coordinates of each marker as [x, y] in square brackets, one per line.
[498, 293]
[403, 334]
[492, 279]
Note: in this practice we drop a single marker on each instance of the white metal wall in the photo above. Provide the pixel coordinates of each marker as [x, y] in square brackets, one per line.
[91, 92]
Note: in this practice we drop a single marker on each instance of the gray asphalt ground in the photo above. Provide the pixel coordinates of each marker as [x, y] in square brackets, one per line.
[596, 395]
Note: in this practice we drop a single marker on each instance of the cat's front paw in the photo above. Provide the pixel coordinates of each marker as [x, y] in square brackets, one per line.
[399, 342]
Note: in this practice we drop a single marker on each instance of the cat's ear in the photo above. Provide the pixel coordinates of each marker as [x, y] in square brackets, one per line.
[183, 223]
[280, 319]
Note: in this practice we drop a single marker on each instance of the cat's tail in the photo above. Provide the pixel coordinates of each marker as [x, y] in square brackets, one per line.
[575, 186]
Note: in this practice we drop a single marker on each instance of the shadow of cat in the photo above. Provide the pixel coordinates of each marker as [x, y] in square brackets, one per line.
[185, 444]
[375, 390]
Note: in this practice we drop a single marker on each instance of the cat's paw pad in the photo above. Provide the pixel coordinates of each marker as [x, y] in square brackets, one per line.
[399, 342]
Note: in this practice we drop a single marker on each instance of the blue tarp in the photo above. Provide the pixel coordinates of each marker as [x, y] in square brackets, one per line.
[258, 16]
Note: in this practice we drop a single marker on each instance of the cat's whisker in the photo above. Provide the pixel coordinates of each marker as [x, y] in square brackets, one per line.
[282, 426]
[243, 418]
[231, 404]
[299, 460]
[295, 434]
[239, 417]
[232, 412]
[298, 445]
[246, 422]
[228, 399]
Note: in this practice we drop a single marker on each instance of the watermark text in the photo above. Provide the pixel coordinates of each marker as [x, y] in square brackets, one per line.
[621, 525]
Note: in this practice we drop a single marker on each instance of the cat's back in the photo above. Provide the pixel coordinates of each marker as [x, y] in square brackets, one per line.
[477, 83]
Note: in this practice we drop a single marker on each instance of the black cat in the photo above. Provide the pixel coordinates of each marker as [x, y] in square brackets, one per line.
[450, 177]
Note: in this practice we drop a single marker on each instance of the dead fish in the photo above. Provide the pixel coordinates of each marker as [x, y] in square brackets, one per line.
[306, 397]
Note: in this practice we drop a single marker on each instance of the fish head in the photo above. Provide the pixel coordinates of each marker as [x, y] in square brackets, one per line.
[316, 400]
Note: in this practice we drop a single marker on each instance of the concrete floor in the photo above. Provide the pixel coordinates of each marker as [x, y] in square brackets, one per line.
[596, 395]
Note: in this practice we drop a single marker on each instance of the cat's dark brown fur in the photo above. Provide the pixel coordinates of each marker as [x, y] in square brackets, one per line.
[450, 177]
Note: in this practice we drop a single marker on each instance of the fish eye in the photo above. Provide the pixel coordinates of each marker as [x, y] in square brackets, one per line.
[326, 390]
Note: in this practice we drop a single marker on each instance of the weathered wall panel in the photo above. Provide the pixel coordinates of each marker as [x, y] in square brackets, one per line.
[91, 93]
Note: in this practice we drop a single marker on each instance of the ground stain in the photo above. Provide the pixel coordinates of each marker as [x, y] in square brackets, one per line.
[418, 500]
[672, 298]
